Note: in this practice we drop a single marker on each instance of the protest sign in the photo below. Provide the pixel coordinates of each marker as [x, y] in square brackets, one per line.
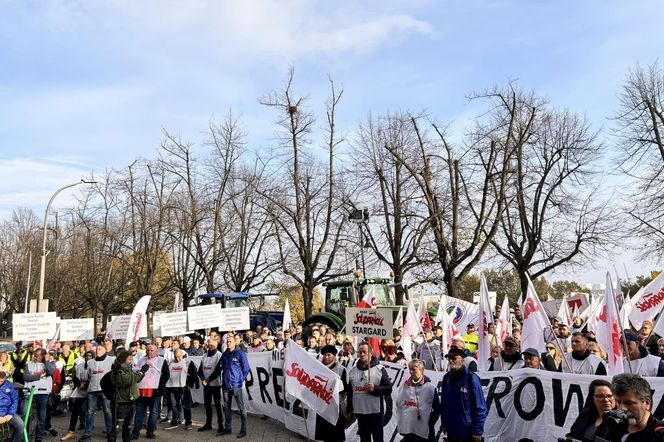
[234, 318]
[32, 326]
[204, 316]
[369, 322]
[77, 329]
[119, 325]
[172, 324]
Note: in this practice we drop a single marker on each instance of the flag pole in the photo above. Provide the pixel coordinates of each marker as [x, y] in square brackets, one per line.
[435, 365]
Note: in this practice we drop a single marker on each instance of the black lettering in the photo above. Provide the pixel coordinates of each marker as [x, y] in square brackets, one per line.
[277, 385]
[496, 396]
[559, 410]
[248, 383]
[263, 381]
[539, 398]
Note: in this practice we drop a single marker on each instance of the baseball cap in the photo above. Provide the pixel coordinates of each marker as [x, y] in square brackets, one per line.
[509, 340]
[454, 352]
[531, 351]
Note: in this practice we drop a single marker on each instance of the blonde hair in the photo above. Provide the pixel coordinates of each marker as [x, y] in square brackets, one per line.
[557, 355]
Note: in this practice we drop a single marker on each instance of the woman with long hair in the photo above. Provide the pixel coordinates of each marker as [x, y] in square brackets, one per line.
[600, 399]
[553, 357]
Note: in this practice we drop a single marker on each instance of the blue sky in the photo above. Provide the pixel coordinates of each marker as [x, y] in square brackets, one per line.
[89, 86]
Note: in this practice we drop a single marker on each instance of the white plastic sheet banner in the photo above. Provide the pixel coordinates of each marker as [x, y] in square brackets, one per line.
[234, 318]
[172, 324]
[524, 405]
[77, 329]
[369, 322]
[33, 326]
[119, 325]
[204, 316]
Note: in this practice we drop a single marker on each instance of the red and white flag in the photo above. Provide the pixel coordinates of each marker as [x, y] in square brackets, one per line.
[608, 329]
[563, 312]
[399, 321]
[504, 325]
[450, 331]
[308, 380]
[535, 321]
[423, 314]
[486, 318]
[410, 330]
[138, 317]
[369, 299]
[648, 302]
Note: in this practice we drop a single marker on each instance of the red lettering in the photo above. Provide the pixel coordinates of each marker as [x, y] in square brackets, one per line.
[650, 301]
[368, 319]
[409, 403]
[311, 384]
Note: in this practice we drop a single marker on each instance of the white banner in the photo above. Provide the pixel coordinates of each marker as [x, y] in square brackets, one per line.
[139, 319]
[234, 318]
[172, 324]
[204, 316]
[77, 329]
[32, 326]
[119, 325]
[369, 322]
[524, 405]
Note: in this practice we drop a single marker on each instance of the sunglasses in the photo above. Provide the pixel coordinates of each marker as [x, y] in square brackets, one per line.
[550, 348]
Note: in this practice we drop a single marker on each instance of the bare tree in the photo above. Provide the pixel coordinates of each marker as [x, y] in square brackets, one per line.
[398, 227]
[304, 199]
[641, 154]
[554, 216]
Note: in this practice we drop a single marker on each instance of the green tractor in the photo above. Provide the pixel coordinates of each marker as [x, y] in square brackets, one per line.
[348, 293]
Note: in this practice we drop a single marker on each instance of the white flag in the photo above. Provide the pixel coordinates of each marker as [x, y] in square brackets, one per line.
[504, 326]
[535, 321]
[563, 312]
[461, 312]
[286, 323]
[648, 302]
[176, 303]
[138, 317]
[399, 321]
[484, 347]
[308, 380]
[608, 333]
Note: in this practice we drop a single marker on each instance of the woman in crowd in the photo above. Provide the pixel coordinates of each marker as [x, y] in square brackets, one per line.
[6, 364]
[600, 399]
[553, 357]
[390, 353]
[79, 395]
[417, 406]
[597, 350]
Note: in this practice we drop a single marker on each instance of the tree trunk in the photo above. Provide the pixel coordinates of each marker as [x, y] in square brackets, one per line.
[308, 300]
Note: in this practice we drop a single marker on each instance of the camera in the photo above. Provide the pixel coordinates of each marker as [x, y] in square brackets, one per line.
[615, 420]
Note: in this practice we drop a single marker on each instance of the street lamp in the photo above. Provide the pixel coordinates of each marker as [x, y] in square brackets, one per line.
[42, 273]
[360, 217]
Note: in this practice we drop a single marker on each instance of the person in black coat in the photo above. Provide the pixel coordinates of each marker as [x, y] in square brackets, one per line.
[600, 399]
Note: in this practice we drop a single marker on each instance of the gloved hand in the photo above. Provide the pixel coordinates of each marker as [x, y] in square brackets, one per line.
[145, 368]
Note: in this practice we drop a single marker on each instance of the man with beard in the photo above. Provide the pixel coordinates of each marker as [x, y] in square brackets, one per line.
[580, 360]
[463, 409]
[326, 431]
[510, 357]
[633, 397]
[368, 383]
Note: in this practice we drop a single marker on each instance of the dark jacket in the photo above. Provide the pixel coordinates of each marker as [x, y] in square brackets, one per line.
[585, 419]
[8, 399]
[235, 368]
[463, 408]
[382, 388]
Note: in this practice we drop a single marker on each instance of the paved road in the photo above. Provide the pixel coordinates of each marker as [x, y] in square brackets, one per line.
[259, 430]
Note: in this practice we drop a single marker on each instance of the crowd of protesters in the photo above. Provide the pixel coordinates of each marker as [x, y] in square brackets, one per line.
[150, 381]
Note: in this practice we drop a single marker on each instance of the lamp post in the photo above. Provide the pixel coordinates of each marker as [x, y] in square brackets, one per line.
[360, 217]
[42, 272]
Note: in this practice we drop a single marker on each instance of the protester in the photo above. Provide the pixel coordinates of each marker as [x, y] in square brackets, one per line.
[9, 407]
[580, 360]
[68, 359]
[150, 391]
[80, 394]
[633, 396]
[639, 361]
[125, 381]
[531, 359]
[599, 399]
[235, 369]
[463, 409]
[648, 338]
[471, 338]
[429, 351]
[468, 360]
[57, 382]
[209, 373]
[552, 359]
[97, 368]
[392, 353]
[418, 406]
[510, 357]
[326, 431]
[597, 350]
[6, 365]
[38, 374]
[19, 360]
[369, 382]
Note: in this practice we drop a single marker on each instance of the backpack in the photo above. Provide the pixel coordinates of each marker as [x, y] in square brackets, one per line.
[107, 384]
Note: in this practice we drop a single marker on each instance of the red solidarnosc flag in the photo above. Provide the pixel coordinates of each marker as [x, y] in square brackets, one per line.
[369, 301]
[423, 314]
[608, 330]
[648, 302]
[535, 321]
[484, 346]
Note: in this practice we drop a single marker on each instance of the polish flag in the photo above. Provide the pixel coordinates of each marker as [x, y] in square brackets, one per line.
[535, 321]
[369, 299]
[608, 330]
[484, 347]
